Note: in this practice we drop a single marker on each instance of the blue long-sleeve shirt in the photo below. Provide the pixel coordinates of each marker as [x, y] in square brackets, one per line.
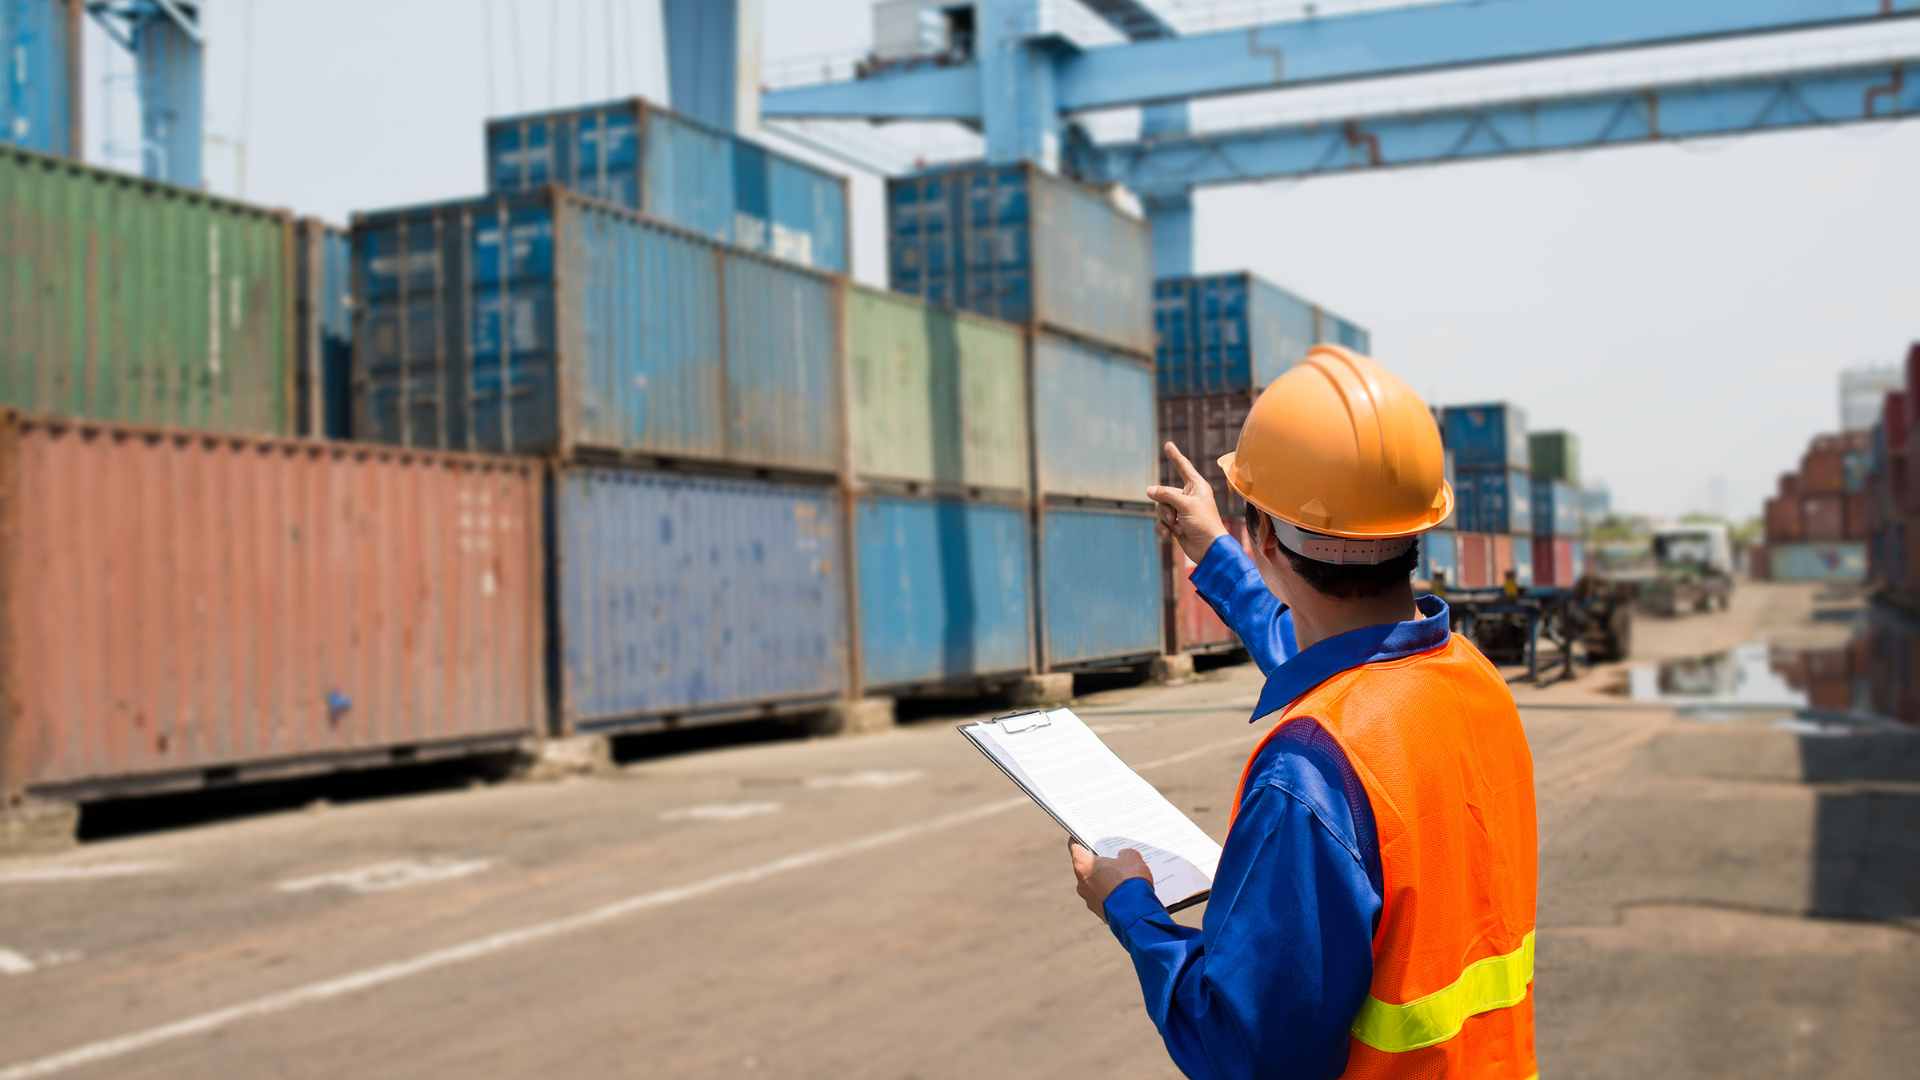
[1271, 981]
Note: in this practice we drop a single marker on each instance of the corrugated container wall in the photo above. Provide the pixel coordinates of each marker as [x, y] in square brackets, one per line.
[1523, 560]
[1100, 588]
[1825, 516]
[1227, 332]
[131, 301]
[945, 590]
[938, 398]
[682, 594]
[590, 328]
[1022, 245]
[1557, 509]
[177, 602]
[1502, 550]
[1093, 414]
[323, 330]
[1334, 330]
[39, 80]
[1497, 501]
[1828, 562]
[1192, 623]
[640, 156]
[1476, 560]
[1555, 456]
[1440, 553]
[1204, 428]
[1487, 436]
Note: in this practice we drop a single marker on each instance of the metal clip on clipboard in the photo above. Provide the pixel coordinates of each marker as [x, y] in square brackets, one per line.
[1016, 723]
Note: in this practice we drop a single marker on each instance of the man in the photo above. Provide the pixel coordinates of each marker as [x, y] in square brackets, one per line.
[1373, 911]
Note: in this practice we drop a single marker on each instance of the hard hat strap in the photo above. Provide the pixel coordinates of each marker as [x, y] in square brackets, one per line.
[1338, 550]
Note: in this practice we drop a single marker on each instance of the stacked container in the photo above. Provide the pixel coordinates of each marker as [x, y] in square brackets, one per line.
[323, 331]
[1067, 266]
[1819, 521]
[1558, 507]
[1494, 488]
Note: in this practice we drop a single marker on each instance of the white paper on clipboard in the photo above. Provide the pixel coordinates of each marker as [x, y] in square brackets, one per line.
[1058, 761]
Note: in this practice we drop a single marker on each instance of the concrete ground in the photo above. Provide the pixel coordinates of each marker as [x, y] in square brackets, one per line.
[1720, 897]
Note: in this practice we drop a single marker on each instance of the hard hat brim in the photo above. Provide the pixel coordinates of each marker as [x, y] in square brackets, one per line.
[1427, 522]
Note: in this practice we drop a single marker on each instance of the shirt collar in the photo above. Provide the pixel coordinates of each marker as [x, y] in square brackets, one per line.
[1343, 652]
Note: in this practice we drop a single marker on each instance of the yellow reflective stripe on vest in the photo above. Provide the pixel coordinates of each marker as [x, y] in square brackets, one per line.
[1497, 982]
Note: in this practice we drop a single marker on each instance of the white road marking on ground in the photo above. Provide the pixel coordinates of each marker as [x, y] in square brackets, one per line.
[39, 875]
[12, 963]
[871, 778]
[388, 876]
[733, 811]
[314, 993]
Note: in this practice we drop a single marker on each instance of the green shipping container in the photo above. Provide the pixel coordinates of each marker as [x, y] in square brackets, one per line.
[123, 299]
[1556, 456]
[939, 398]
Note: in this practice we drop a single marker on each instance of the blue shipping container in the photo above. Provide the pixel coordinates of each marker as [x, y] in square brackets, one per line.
[945, 590]
[679, 171]
[1100, 594]
[1487, 436]
[324, 330]
[1496, 501]
[1523, 560]
[1821, 562]
[1579, 560]
[1221, 332]
[1095, 426]
[1022, 245]
[1558, 509]
[679, 594]
[36, 81]
[1335, 330]
[589, 327]
[1439, 551]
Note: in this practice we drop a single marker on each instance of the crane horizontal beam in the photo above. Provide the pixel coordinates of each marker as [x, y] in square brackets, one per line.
[1750, 104]
[1333, 49]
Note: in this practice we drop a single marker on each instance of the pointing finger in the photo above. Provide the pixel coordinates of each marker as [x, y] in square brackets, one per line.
[1180, 460]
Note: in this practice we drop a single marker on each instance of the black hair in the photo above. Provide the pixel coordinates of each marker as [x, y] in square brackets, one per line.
[1350, 582]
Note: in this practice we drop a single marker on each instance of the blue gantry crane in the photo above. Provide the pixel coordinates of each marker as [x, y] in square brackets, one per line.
[1022, 85]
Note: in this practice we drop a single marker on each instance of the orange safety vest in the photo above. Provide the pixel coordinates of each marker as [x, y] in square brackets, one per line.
[1436, 741]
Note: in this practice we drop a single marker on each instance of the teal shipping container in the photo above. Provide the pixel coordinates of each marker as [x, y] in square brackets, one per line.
[1094, 421]
[1836, 563]
[636, 154]
[680, 597]
[945, 590]
[1523, 560]
[40, 74]
[1334, 330]
[1439, 553]
[1100, 588]
[1026, 246]
[1487, 436]
[554, 324]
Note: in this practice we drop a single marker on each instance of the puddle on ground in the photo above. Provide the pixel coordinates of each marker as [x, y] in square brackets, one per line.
[1828, 691]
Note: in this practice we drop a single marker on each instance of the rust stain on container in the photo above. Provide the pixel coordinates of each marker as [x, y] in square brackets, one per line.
[175, 602]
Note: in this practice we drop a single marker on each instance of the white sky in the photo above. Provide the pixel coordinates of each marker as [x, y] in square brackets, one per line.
[1685, 309]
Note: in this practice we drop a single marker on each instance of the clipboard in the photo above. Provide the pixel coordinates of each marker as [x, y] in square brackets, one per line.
[1011, 725]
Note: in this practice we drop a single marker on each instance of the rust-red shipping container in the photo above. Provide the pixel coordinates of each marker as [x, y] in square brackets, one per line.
[1502, 558]
[1204, 427]
[1893, 417]
[1913, 383]
[1856, 519]
[1825, 516]
[182, 607]
[1193, 625]
[1476, 561]
[1548, 559]
[1784, 524]
[1757, 567]
[1823, 470]
[1789, 485]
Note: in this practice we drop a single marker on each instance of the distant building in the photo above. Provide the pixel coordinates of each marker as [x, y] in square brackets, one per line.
[1862, 391]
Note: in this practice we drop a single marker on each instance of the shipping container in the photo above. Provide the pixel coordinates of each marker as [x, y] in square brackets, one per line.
[1523, 547]
[1020, 244]
[1759, 565]
[1476, 560]
[1825, 516]
[184, 606]
[1556, 508]
[1496, 501]
[1555, 456]
[1784, 524]
[135, 302]
[1577, 560]
[638, 155]
[1193, 625]
[1824, 562]
[1503, 557]
[1893, 418]
[1554, 563]
[1100, 591]
[1856, 517]
[1206, 427]
[589, 330]
[1789, 484]
[1331, 329]
[1093, 419]
[938, 398]
[1440, 554]
[945, 590]
[323, 330]
[41, 76]
[1227, 332]
[1487, 436]
[682, 596]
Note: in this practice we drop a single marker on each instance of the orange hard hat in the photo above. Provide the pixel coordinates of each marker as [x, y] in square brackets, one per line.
[1340, 448]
